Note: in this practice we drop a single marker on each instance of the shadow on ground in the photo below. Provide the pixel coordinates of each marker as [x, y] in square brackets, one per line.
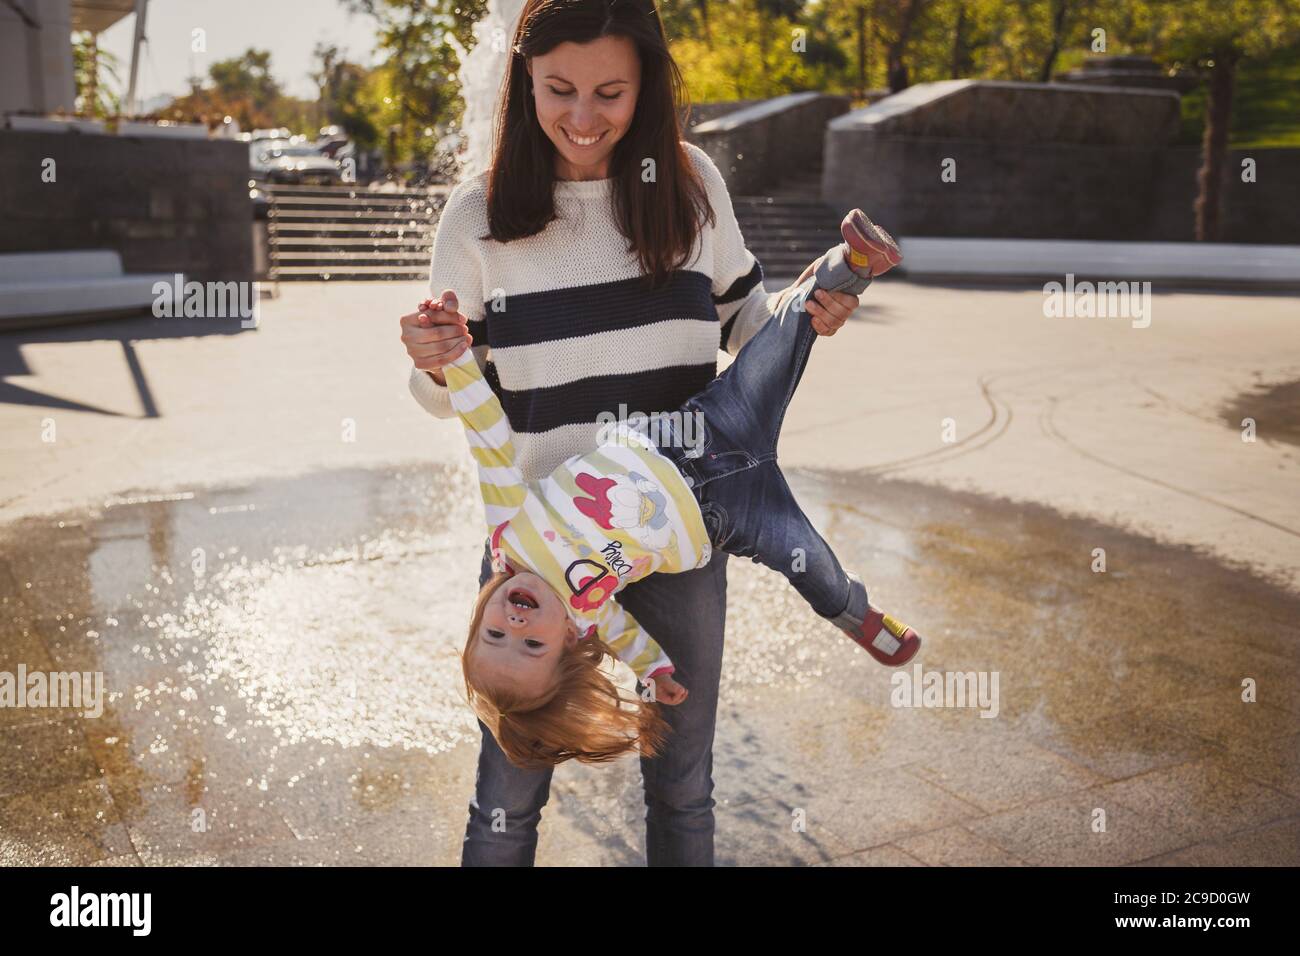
[127, 331]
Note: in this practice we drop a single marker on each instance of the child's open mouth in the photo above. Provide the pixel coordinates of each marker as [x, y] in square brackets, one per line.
[521, 598]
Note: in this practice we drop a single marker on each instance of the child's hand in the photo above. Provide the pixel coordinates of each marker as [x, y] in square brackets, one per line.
[668, 691]
[436, 333]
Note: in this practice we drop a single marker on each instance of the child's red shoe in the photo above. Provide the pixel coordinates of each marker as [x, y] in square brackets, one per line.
[870, 247]
[889, 641]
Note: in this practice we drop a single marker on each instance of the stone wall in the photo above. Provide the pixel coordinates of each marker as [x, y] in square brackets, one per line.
[1038, 161]
[1265, 211]
[757, 146]
[165, 205]
[710, 110]
[1031, 113]
[1002, 190]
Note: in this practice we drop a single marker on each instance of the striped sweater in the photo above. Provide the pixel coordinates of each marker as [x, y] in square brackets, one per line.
[562, 330]
[598, 522]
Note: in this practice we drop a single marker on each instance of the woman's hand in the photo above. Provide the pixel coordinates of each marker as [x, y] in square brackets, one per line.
[436, 334]
[829, 310]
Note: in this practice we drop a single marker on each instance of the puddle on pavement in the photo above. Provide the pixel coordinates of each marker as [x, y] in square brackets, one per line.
[281, 661]
[1274, 408]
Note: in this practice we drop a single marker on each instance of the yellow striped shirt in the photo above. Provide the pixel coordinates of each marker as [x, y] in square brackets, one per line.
[596, 523]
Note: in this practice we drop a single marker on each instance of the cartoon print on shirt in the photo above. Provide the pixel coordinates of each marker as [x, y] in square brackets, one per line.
[634, 504]
[569, 535]
[591, 583]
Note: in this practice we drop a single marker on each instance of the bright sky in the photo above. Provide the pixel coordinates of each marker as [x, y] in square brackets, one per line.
[290, 29]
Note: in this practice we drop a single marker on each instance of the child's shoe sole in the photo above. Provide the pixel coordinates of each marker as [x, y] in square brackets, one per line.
[868, 244]
[890, 642]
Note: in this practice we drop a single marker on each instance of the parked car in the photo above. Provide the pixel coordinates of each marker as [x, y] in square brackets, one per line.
[331, 146]
[259, 156]
[279, 161]
[331, 139]
[259, 134]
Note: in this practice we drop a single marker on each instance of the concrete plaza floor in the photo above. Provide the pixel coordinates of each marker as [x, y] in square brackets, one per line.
[268, 550]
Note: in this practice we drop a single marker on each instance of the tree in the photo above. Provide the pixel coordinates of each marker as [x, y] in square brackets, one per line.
[91, 67]
[419, 72]
[1213, 38]
[685, 18]
[767, 13]
[1060, 13]
[754, 51]
[900, 21]
[342, 101]
[961, 58]
[244, 89]
[246, 77]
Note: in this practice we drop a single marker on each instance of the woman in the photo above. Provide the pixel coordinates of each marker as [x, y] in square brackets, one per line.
[599, 260]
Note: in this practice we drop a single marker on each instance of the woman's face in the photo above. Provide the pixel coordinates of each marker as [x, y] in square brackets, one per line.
[586, 91]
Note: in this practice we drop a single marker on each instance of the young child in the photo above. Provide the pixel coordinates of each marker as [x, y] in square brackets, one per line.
[565, 545]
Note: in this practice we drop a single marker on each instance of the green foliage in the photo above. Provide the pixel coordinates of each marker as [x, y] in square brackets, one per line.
[1192, 31]
[95, 73]
[343, 95]
[246, 77]
[756, 48]
[1258, 39]
[243, 88]
[415, 90]
[934, 39]
[1266, 109]
[750, 49]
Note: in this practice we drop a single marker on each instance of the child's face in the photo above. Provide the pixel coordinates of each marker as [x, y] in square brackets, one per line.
[524, 633]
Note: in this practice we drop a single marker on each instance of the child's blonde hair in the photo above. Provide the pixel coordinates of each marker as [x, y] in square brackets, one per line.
[583, 716]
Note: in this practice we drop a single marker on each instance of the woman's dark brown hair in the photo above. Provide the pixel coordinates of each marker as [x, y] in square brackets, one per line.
[661, 218]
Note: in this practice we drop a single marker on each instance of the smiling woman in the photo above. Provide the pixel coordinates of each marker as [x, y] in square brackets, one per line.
[599, 266]
[593, 87]
[583, 115]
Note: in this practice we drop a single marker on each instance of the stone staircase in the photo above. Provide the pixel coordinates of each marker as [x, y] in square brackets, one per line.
[789, 226]
[350, 232]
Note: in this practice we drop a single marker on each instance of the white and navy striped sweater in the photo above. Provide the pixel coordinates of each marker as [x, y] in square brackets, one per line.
[562, 328]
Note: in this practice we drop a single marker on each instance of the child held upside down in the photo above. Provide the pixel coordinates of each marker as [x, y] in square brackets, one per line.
[564, 546]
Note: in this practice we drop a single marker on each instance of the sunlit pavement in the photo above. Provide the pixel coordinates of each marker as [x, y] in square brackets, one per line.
[268, 551]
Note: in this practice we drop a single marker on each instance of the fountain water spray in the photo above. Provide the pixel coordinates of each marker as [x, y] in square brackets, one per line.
[482, 73]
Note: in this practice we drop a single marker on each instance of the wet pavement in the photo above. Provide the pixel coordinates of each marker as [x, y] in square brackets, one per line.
[1279, 404]
[280, 666]
[268, 551]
